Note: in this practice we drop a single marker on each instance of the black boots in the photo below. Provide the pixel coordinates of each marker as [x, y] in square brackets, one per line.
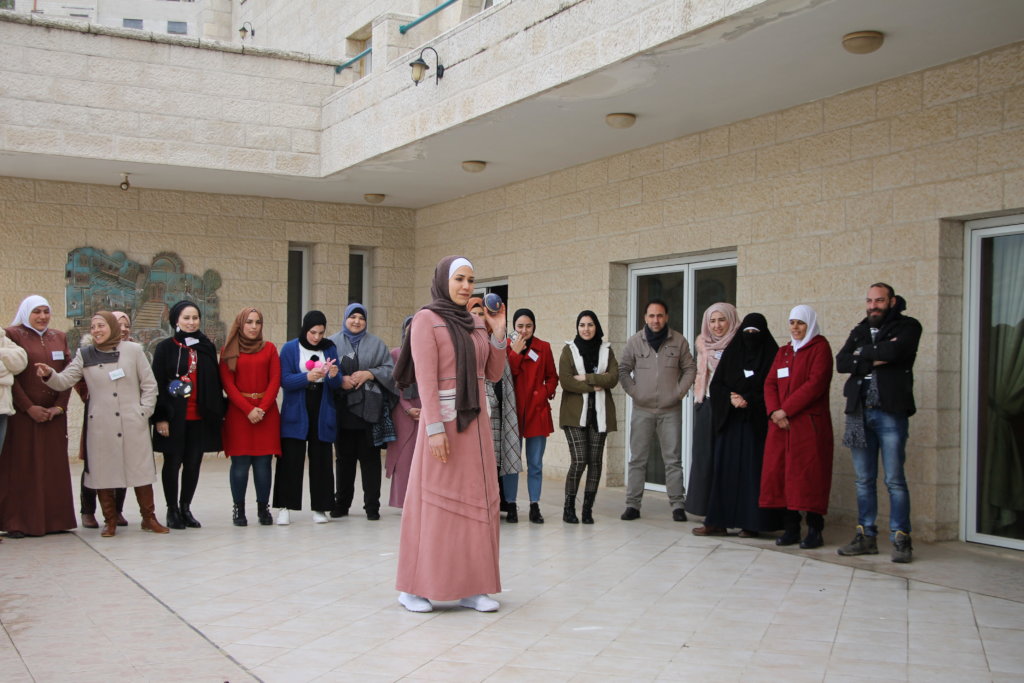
[535, 515]
[569, 512]
[513, 513]
[791, 525]
[263, 513]
[238, 515]
[588, 507]
[188, 519]
[174, 520]
[815, 524]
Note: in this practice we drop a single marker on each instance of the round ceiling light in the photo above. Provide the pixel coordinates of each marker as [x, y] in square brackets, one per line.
[620, 120]
[374, 198]
[863, 42]
[474, 166]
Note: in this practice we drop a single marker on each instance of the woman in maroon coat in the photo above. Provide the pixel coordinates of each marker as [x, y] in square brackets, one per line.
[535, 380]
[250, 371]
[797, 474]
[35, 477]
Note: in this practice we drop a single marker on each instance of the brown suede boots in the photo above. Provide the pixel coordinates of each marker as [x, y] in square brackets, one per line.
[144, 494]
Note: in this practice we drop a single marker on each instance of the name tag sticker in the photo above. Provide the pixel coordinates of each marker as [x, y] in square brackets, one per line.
[783, 372]
[57, 355]
[116, 374]
[532, 355]
[748, 373]
[191, 341]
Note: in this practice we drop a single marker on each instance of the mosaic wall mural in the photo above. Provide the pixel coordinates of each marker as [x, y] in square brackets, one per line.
[98, 281]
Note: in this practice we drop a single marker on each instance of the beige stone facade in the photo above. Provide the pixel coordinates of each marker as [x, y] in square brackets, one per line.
[818, 202]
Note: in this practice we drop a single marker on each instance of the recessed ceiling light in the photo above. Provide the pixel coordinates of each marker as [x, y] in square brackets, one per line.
[863, 42]
[620, 120]
[474, 166]
[374, 198]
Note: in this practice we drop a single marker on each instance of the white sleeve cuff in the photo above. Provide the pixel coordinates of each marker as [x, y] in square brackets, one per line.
[435, 428]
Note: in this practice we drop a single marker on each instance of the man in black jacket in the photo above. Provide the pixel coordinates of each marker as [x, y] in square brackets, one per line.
[879, 357]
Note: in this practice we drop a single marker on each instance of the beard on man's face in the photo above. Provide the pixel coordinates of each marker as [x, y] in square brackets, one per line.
[877, 313]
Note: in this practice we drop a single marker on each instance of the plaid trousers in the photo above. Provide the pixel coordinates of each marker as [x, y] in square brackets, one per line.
[586, 452]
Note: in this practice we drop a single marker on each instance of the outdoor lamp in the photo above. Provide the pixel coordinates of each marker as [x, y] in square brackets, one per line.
[420, 68]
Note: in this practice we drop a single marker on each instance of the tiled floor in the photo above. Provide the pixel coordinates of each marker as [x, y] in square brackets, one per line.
[627, 601]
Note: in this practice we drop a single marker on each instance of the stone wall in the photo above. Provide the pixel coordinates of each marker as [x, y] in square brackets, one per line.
[245, 239]
[93, 92]
[818, 201]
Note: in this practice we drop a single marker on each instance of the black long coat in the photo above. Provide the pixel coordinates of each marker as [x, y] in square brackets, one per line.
[169, 364]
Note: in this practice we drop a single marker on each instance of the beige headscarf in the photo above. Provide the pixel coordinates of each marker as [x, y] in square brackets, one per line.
[708, 345]
[115, 332]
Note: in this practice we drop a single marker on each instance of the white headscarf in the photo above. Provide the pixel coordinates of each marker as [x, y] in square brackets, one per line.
[807, 315]
[458, 263]
[25, 309]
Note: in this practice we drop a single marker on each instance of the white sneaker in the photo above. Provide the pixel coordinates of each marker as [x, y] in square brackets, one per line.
[283, 518]
[415, 603]
[320, 518]
[481, 603]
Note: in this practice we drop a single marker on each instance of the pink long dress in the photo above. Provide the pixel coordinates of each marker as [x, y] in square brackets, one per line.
[449, 541]
[399, 459]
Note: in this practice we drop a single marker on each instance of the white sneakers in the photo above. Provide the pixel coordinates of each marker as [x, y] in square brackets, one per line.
[284, 517]
[481, 603]
[415, 603]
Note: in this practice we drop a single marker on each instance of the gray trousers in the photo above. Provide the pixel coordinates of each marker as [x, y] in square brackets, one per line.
[644, 427]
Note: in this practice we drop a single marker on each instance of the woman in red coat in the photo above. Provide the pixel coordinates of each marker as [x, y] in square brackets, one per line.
[797, 473]
[535, 380]
[250, 371]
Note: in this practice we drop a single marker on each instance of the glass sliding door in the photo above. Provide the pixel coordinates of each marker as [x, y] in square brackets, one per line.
[994, 385]
[688, 288]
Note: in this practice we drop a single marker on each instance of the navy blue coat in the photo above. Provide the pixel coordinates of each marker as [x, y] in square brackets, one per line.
[294, 418]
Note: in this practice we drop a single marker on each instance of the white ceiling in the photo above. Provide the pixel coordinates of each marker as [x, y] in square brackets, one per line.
[729, 73]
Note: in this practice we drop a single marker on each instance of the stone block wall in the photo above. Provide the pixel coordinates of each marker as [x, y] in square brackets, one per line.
[245, 239]
[818, 201]
[94, 92]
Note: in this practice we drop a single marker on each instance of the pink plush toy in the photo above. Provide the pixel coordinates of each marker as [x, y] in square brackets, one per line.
[314, 364]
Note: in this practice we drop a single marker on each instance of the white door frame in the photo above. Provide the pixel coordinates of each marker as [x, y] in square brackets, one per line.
[975, 232]
[689, 266]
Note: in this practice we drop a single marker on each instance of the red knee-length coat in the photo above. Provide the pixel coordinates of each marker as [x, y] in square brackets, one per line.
[797, 470]
[535, 382]
[255, 373]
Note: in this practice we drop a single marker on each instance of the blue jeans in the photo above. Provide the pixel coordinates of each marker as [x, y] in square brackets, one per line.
[239, 477]
[534, 471]
[887, 433]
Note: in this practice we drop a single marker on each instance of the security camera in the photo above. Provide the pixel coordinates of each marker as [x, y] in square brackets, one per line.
[125, 185]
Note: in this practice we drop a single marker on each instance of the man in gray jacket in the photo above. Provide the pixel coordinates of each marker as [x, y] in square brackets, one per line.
[656, 370]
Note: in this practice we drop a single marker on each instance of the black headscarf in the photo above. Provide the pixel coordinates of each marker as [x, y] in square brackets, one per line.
[529, 314]
[460, 324]
[747, 352]
[309, 321]
[589, 349]
[209, 396]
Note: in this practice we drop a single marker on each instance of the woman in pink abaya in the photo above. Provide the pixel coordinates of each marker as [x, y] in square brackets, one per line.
[449, 540]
